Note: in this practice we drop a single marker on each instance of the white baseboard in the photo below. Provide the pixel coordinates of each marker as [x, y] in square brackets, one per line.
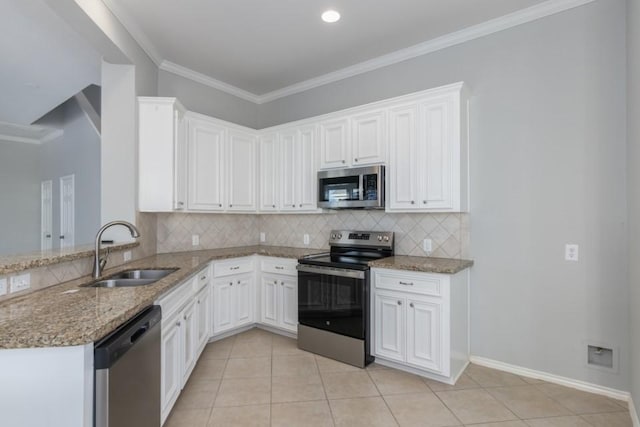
[555, 379]
[634, 414]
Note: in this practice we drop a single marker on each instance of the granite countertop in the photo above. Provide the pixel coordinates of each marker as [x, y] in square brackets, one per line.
[423, 264]
[68, 314]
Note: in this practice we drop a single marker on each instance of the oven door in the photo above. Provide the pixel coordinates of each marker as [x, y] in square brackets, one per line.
[333, 299]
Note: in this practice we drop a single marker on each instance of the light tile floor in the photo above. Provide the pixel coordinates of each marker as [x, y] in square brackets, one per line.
[261, 379]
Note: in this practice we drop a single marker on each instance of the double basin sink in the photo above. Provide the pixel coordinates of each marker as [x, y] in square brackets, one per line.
[131, 278]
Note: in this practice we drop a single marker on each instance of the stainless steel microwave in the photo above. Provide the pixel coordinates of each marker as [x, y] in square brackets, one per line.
[352, 188]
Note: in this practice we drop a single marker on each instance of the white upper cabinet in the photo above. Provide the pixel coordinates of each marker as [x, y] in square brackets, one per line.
[162, 167]
[269, 173]
[242, 174]
[334, 144]
[307, 175]
[369, 138]
[206, 165]
[428, 153]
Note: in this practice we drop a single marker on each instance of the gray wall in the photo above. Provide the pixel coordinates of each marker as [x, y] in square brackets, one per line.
[20, 195]
[207, 100]
[633, 187]
[548, 168]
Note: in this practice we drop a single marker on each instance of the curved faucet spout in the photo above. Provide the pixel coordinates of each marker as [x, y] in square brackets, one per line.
[98, 262]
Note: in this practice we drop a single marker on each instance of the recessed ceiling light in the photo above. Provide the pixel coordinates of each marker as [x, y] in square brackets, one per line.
[330, 16]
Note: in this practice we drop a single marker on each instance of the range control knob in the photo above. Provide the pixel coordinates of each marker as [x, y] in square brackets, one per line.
[379, 238]
[333, 235]
[339, 236]
[386, 238]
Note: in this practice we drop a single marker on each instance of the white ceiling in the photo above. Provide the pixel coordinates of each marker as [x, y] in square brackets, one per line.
[44, 62]
[262, 46]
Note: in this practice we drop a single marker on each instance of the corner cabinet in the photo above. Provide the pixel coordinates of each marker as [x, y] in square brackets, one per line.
[162, 151]
[242, 174]
[420, 322]
[428, 152]
[233, 294]
[279, 293]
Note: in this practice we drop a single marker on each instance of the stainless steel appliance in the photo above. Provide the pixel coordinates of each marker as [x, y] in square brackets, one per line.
[353, 188]
[334, 296]
[127, 373]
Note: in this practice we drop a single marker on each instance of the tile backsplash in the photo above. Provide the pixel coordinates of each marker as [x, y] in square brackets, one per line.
[449, 232]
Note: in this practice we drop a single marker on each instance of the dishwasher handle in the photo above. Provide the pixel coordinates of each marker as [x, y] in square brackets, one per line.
[110, 349]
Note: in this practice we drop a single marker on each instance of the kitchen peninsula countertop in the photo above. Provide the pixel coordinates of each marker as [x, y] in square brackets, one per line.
[68, 314]
[423, 264]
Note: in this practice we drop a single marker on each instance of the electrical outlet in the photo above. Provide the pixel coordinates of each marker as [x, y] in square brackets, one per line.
[20, 283]
[427, 246]
[305, 239]
[263, 237]
[3, 286]
[195, 239]
[127, 256]
[571, 252]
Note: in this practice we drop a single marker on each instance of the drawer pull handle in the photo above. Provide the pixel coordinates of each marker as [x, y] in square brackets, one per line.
[237, 267]
[279, 267]
[406, 283]
[203, 278]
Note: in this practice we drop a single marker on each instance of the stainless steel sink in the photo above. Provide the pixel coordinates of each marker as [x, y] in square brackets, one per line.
[132, 278]
[155, 274]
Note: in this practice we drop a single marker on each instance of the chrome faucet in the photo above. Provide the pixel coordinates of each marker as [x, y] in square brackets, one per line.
[98, 262]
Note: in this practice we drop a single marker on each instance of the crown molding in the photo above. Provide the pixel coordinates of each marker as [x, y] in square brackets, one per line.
[547, 8]
[36, 138]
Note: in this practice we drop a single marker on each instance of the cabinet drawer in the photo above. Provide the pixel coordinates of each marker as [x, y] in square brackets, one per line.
[236, 266]
[173, 302]
[279, 266]
[418, 284]
[203, 277]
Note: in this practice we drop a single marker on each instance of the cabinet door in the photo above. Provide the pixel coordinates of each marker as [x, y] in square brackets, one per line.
[403, 180]
[190, 342]
[243, 296]
[369, 138]
[436, 136]
[289, 303]
[334, 144]
[307, 171]
[180, 161]
[206, 145]
[290, 162]
[171, 365]
[223, 300]
[269, 173]
[242, 171]
[424, 336]
[269, 291]
[389, 326]
[203, 314]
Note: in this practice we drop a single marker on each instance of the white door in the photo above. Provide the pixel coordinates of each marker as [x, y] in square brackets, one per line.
[46, 215]
[242, 171]
[269, 298]
[403, 179]
[203, 310]
[307, 173]
[67, 211]
[171, 353]
[369, 138]
[334, 144]
[269, 173]
[289, 303]
[424, 326]
[206, 144]
[290, 162]
[243, 295]
[190, 340]
[222, 306]
[389, 327]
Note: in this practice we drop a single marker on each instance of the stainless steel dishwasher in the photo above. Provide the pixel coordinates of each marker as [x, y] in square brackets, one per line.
[127, 373]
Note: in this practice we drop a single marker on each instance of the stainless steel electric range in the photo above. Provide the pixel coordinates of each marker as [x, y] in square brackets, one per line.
[334, 296]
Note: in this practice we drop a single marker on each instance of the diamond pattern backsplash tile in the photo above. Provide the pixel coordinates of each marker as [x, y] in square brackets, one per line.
[448, 232]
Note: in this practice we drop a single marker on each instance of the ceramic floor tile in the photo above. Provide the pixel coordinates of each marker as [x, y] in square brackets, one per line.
[241, 416]
[517, 423]
[475, 406]
[188, 418]
[294, 366]
[614, 419]
[198, 395]
[307, 414]
[528, 402]
[297, 389]
[572, 421]
[464, 383]
[209, 369]
[286, 346]
[326, 365]
[348, 384]
[391, 381]
[364, 412]
[257, 367]
[487, 377]
[249, 349]
[420, 410]
[580, 402]
[244, 391]
[219, 349]
[254, 336]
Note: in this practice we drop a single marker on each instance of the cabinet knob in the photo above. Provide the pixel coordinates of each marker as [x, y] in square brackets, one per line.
[274, 206]
[281, 283]
[424, 202]
[238, 282]
[219, 205]
[413, 203]
[300, 204]
[293, 206]
[399, 302]
[411, 305]
[355, 160]
[180, 203]
[203, 278]
[344, 161]
[230, 283]
[230, 206]
[178, 324]
[185, 317]
[275, 282]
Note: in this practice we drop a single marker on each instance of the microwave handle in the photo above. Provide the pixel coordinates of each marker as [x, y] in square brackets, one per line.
[360, 187]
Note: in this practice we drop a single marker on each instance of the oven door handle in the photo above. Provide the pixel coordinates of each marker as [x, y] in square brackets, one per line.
[331, 271]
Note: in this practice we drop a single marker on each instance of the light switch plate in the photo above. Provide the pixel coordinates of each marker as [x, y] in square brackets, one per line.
[20, 283]
[306, 239]
[263, 237]
[571, 252]
[427, 246]
[195, 239]
[127, 256]
[3, 286]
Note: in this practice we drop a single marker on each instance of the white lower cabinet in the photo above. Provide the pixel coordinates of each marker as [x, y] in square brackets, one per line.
[233, 302]
[421, 322]
[279, 293]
